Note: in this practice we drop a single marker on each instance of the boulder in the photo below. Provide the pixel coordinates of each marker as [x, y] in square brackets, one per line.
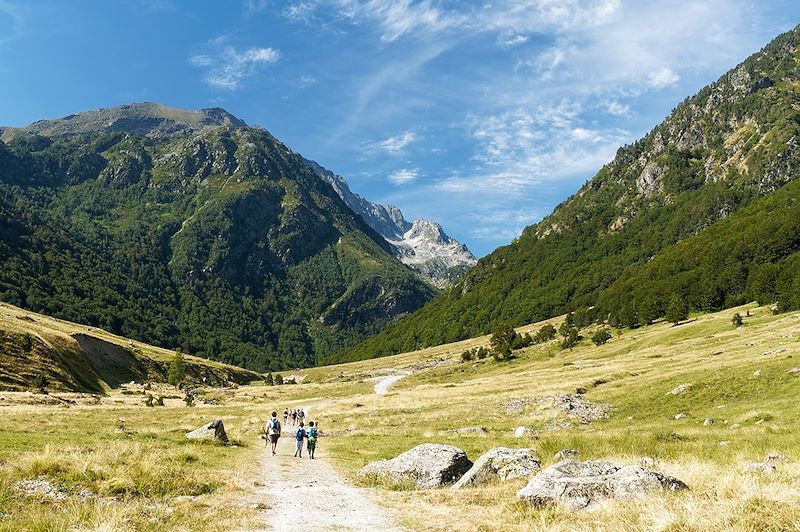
[500, 463]
[708, 421]
[212, 431]
[680, 389]
[582, 485]
[766, 468]
[429, 465]
[680, 415]
[522, 432]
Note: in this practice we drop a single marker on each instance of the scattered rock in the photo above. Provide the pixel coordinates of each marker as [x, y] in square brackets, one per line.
[708, 421]
[794, 370]
[680, 416]
[576, 407]
[724, 443]
[774, 352]
[583, 485]
[522, 432]
[734, 426]
[213, 431]
[757, 373]
[775, 457]
[39, 488]
[500, 463]
[760, 467]
[565, 454]
[469, 430]
[429, 465]
[680, 389]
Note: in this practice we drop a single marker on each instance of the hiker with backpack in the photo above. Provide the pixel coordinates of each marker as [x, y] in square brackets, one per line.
[285, 415]
[312, 439]
[294, 417]
[273, 431]
[299, 435]
[301, 415]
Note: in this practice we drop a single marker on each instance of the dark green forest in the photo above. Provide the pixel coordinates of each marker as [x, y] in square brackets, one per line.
[217, 240]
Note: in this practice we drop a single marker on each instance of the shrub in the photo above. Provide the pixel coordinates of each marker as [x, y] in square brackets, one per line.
[481, 353]
[545, 334]
[177, 370]
[467, 355]
[601, 337]
[571, 339]
[278, 380]
[737, 320]
[41, 383]
[268, 380]
[678, 310]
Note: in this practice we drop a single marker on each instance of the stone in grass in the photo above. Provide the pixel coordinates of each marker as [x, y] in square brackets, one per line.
[680, 389]
[564, 454]
[40, 487]
[211, 431]
[584, 485]
[708, 421]
[428, 466]
[523, 432]
[765, 468]
[500, 463]
[680, 415]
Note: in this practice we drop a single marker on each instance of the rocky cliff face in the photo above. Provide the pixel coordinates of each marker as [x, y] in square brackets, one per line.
[183, 228]
[422, 244]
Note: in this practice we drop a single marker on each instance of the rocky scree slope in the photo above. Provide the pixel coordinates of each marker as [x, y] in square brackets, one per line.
[733, 144]
[191, 229]
[422, 244]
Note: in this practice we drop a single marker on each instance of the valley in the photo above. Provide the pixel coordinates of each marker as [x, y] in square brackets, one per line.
[742, 377]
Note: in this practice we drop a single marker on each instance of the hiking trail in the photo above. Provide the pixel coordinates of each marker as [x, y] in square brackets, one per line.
[383, 385]
[304, 493]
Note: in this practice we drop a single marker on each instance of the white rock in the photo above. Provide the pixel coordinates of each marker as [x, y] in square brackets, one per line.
[500, 463]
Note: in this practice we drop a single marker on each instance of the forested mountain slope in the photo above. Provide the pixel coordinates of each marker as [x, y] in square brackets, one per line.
[734, 142]
[190, 229]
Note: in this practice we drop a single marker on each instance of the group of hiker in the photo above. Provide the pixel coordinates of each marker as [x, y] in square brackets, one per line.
[301, 434]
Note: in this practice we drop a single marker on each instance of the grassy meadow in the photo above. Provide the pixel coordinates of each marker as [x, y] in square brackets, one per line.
[139, 472]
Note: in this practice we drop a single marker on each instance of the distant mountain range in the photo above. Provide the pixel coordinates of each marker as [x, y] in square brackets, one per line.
[421, 244]
[191, 229]
[702, 211]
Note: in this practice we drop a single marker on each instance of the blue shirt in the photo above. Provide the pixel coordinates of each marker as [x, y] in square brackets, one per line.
[300, 434]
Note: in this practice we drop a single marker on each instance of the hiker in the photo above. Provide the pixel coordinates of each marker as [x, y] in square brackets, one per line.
[285, 415]
[299, 435]
[273, 431]
[301, 415]
[312, 439]
[294, 417]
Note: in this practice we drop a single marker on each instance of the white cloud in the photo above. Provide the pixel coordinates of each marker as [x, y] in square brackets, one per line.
[398, 142]
[403, 177]
[254, 6]
[227, 67]
[307, 81]
[662, 77]
[397, 18]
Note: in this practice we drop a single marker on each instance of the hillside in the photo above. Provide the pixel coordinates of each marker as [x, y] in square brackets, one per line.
[733, 143]
[78, 358]
[189, 229]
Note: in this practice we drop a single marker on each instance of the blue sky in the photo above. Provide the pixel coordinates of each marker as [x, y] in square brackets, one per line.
[482, 115]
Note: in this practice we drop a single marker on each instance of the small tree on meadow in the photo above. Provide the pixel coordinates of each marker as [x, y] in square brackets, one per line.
[503, 337]
[278, 380]
[567, 325]
[677, 310]
[737, 320]
[601, 337]
[177, 369]
[269, 380]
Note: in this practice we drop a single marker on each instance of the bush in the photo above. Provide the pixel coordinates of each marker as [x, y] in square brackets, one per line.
[601, 337]
[278, 379]
[737, 320]
[268, 380]
[566, 327]
[678, 310]
[571, 339]
[41, 383]
[545, 334]
[481, 353]
[467, 355]
[189, 398]
[177, 370]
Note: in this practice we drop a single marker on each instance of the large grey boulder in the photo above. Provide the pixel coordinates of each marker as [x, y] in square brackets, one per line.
[500, 463]
[212, 431]
[581, 485]
[429, 465]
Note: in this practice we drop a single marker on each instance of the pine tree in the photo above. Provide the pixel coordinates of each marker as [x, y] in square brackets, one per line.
[677, 310]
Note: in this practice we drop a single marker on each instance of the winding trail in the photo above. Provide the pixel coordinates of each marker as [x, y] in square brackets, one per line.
[383, 385]
[304, 493]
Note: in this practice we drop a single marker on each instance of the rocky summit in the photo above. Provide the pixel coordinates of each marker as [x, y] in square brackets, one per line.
[422, 244]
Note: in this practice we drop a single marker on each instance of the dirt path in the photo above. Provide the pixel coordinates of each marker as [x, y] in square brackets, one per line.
[303, 493]
[383, 385]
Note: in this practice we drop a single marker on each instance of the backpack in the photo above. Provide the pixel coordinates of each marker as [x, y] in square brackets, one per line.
[274, 426]
[312, 435]
[300, 434]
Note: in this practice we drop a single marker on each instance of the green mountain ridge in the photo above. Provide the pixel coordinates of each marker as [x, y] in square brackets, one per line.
[190, 229]
[611, 244]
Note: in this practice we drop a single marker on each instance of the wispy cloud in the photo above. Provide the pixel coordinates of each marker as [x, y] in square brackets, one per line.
[397, 143]
[255, 6]
[227, 68]
[14, 14]
[404, 176]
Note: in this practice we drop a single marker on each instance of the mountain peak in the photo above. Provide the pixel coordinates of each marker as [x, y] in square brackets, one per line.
[143, 118]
